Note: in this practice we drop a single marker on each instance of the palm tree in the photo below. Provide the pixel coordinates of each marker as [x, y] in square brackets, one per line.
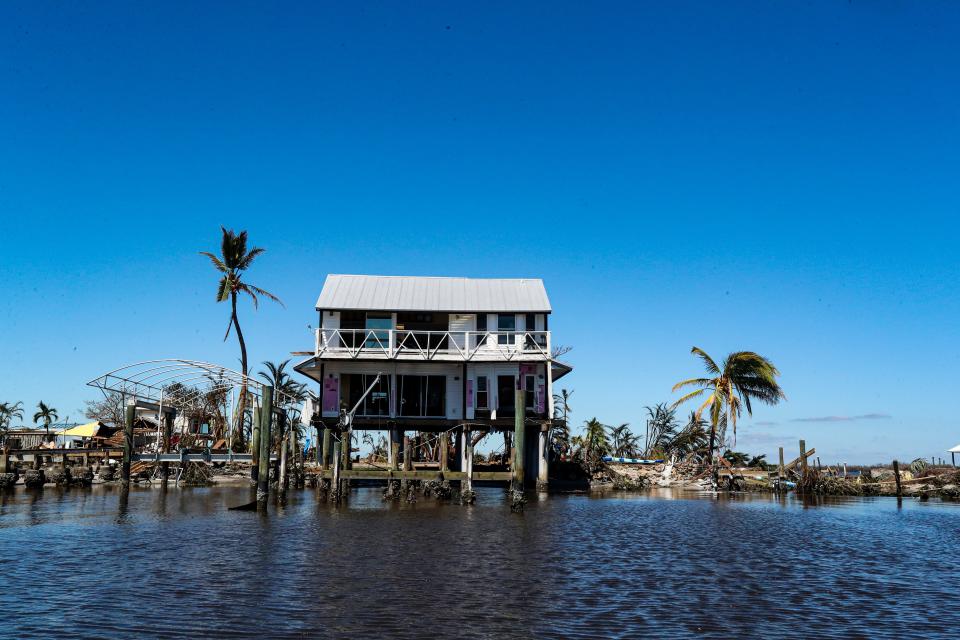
[744, 376]
[736, 458]
[691, 439]
[593, 444]
[233, 261]
[758, 461]
[281, 381]
[661, 428]
[47, 414]
[7, 413]
[624, 441]
[560, 434]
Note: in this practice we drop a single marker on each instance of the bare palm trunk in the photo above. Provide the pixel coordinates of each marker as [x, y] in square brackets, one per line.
[242, 404]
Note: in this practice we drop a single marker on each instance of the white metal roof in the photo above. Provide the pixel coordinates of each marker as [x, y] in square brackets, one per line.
[956, 449]
[416, 293]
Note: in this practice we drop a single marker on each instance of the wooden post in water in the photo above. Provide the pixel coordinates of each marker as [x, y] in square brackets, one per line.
[803, 465]
[519, 439]
[263, 470]
[130, 415]
[282, 478]
[336, 470]
[255, 447]
[325, 458]
[467, 461]
[781, 473]
[543, 458]
[167, 419]
[395, 456]
[896, 476]
[348, 448]
[444, 446]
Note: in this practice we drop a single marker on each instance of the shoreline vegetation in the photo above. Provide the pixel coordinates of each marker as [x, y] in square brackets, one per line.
[696, 453]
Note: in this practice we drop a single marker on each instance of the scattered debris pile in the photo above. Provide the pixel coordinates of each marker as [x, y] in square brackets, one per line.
[196, 474]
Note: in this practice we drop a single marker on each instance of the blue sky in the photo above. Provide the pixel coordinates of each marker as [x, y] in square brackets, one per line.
[778, 177]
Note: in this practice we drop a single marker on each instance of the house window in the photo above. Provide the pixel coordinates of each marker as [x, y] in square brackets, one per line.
[530, 399]
[377, 402]
[481, 329]
[423, 396]
[378, 339]
[506, 326]
[483, 394]
[530, 328]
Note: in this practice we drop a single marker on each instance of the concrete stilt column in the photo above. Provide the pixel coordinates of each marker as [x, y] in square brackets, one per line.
[131, 413]
[543, 459]
[266, 420]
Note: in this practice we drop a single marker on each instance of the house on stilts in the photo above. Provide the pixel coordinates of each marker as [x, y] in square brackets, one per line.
[455, 356]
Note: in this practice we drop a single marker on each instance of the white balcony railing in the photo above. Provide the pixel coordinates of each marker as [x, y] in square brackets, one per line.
[434, 345]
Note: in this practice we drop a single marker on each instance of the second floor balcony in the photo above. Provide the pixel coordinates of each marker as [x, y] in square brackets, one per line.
[397, 344]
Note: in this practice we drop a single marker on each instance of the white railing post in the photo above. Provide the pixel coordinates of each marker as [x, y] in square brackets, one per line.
[391, 342]
[549, 351]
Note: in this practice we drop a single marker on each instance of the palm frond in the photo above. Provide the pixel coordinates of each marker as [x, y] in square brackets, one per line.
[707, 360]
[254, 291]
[217, 262]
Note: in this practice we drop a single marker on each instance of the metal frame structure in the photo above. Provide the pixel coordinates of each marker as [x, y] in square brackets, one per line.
[150, 380]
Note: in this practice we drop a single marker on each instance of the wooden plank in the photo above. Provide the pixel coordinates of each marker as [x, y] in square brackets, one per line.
[386, 474]
[797, 461]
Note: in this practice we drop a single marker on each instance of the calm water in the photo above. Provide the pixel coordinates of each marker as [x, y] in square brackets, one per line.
[87, 563]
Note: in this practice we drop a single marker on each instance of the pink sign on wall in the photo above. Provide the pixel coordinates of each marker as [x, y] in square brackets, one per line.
[331, 394]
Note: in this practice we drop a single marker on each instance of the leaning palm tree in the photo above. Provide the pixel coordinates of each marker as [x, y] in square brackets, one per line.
[233, 261]
[742, 377]
[46, 414]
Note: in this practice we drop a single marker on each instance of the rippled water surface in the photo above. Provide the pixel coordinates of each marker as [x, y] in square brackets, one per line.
[91, 563]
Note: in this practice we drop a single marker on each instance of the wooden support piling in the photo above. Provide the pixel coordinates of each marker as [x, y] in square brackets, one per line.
[896, 476]
[803, 465]
[282, 478]
[519, 439]
[337, 464]
[167, 419]
[325, 458]
[543, 457]
[467, 462]
[781, 472]
[255, 447]
[395, 456]
[444, 447]
[4, 460]
[129, 417]
[266, 419]
[348, 449]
